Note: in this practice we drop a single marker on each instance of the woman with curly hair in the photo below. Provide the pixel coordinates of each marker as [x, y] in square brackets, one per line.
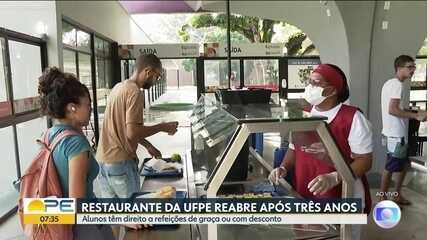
[67, 102]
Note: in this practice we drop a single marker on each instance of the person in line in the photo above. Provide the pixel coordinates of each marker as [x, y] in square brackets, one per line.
[123, 129]
[395, 126]
[67, 102]
[314, 176]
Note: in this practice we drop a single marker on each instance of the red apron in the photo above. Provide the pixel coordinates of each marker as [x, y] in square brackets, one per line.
[313, 160]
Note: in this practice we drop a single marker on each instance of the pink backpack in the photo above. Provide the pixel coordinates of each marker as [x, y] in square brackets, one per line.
[41, 180]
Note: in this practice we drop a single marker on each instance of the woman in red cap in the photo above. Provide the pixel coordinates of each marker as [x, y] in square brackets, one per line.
[313, 177]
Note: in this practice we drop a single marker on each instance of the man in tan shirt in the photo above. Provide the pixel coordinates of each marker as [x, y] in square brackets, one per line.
[123, 129]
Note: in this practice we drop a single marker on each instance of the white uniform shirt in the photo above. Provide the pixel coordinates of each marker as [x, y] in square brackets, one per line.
[393, 126]
[359, 140]
[360, 137]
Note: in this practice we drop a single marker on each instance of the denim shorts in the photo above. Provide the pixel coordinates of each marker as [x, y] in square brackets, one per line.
[119, 179]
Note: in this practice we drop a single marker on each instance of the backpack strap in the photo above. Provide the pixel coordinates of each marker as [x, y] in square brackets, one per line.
[45, 142]
[60, 136]
[46, 137]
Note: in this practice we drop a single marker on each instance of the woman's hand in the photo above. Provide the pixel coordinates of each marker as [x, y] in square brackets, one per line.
[323, 183]
[276, 174]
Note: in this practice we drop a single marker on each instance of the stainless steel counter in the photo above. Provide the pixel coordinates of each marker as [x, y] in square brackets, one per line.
[235, 232]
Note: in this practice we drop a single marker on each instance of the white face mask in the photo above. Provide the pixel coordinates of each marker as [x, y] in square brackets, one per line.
[313, 95]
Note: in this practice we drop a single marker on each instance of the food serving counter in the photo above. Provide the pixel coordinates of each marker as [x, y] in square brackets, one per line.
[220, 135]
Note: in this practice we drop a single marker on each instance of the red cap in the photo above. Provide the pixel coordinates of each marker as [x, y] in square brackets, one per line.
[332, 75]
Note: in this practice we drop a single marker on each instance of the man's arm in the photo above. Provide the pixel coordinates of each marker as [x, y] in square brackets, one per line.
[288, 161]
[138, 132]
[394, 109]
[145, 143]
[361, 164]
[153, 151]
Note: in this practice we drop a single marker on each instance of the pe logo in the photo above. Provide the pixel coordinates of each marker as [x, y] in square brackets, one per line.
[49, 205]
[387, 214]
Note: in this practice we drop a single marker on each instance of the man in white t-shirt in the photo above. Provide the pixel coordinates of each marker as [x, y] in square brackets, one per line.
[395, 125]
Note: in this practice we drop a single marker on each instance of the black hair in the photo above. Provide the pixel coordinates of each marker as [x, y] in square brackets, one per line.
[401, 61]
[57, 89]
[345, 93]
[148, 60]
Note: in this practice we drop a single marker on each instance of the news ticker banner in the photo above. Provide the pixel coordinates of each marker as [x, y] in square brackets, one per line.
[193, 211]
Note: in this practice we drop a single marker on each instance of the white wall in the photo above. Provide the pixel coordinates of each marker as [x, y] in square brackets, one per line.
[105, 17]
[27, 17]
[358, 21]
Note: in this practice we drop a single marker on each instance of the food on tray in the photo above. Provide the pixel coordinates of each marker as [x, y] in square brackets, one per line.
[176, 157]
[160, 165]
[168, 168]
[166, 192]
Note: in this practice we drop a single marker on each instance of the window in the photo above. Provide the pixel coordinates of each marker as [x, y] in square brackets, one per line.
[8, 172]
[5, 106]
[418, 94]
[299, 71]
[69, 34]
[100, 73]
[216, 74]
[85, 76]
[22, 56]
[83, 40]
[27, 133]
[69, 59]
[77, 59]
[26, 68]
[75, 38]
[85, 70]
[108, 74]
[103, 75]
[262, 74]
[99, 46]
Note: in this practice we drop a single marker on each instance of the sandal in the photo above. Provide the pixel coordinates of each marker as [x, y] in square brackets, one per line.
[402, 201]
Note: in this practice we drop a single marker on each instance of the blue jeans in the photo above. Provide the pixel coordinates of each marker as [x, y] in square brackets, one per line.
[119, 179]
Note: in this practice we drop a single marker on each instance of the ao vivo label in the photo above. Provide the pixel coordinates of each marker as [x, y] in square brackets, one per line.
[49, 210]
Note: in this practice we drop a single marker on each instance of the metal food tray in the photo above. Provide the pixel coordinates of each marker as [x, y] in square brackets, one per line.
[152, 174]
[179, 194]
